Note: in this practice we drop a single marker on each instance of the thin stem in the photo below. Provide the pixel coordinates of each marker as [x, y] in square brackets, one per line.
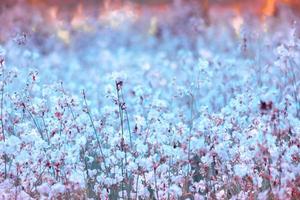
[46, 130]
[127, 119]
[124, 168]
[169, 176]
[95, 130]
[190, 133]
[2, 123]
[136, 187]
[155, 182]
[2, 101]
[122, 183]
[87, 174]
[35, 122]
[295, 88]
[5, 166]
[70, 108]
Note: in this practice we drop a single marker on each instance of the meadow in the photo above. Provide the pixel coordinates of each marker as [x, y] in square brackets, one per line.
[154, 107]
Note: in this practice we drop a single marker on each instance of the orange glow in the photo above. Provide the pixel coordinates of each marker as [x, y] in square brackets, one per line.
[237, 23]
[269, 8]
[78, 17]
[53, 13]
[294, 4]
[114, 12]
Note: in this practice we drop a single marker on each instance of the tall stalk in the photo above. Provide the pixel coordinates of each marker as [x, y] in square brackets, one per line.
[294, 82]
[121, 106]
[1, 110]
[155, 182]
[95, 130]
[127, 119]
[190, 132]
[2, 100]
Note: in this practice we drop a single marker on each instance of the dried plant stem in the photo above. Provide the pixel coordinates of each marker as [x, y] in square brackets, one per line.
[136, 187]
[127, 119]
[123, 147]
[95, 130]
[155, 182]
[169, 176]
[2, 123]
[122, 182]
[2, 101]
[46, 130]
[87, 176]
[294, 82]
[190, 133]
[35, 122]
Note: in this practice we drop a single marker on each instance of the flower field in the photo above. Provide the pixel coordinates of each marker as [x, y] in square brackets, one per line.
[141, 105]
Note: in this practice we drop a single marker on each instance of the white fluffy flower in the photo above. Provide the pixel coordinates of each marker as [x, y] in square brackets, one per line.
[203, 64]
[220, 194]
[44, 189]
[197, 143]
[241, 170]
[57, 189]
[175, 190]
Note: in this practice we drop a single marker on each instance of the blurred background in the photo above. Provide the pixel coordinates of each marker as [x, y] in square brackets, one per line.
[82, 42]
[42, 19]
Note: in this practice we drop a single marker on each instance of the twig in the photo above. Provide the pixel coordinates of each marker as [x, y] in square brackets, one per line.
[2, 100]
[2, 123]
[127, 119]
[155, 182]
[123, 148]
[95, 130]
[190, 133]
[137, 184]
